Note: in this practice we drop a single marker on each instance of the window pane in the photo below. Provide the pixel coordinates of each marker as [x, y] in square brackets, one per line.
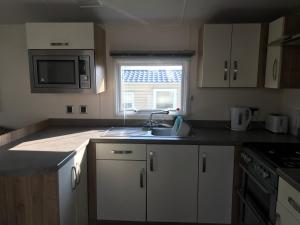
[151, 87]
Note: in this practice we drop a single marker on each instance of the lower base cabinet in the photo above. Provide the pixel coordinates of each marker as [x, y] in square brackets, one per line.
[164, 183]
[122, 190]
[51, 198]
[216, 165]
[172, 174]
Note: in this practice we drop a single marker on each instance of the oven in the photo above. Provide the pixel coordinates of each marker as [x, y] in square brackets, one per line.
[61, 70]
[257, 192]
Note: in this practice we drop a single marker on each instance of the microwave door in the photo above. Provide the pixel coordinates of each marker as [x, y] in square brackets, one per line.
[56, 71]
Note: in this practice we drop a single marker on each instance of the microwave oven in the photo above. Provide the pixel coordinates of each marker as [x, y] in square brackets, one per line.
[60, 71]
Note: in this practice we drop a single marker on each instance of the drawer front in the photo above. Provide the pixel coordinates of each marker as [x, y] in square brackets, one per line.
[289, 197]
[121, 151]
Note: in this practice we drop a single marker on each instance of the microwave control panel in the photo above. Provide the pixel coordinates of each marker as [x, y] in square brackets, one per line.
[84, 73]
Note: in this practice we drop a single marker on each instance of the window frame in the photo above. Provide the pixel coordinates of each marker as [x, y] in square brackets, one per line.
[184, 62]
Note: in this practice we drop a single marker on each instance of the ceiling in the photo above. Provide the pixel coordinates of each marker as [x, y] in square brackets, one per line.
[146, 11]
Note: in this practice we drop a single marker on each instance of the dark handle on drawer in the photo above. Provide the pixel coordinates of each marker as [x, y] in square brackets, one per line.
[204, 162]
[142, 178]
[294, 204]
[121, 152]
[151, 161]
[59, 43]
[274, 71]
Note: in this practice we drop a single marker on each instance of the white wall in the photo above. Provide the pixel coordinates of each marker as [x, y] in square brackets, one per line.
[18, 107]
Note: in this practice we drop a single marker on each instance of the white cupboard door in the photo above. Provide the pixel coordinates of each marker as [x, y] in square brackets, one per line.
[216, 55]
[60, 35]
[215, 184]
[245, 55]
[172, 183]
[273, 67]
[121, 190]
[81, 189]
[284, 217]
[67, 193]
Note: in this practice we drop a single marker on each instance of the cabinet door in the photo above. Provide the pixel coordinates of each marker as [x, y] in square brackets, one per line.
[215, 184]
[172, 183]
[245, 55]
[81, 188]
[273, 67]
[121, 190]
[284, 217]
[60, 35]
[67, 194]
[216, 55]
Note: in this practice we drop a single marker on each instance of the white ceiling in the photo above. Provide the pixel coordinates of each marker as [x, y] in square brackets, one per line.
[147, 11]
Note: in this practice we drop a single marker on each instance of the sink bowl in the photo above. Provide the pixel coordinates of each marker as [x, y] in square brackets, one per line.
[160, 131]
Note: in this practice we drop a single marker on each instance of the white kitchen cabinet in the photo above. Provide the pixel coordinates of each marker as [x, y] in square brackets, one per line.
[172, 183]
[81, 187]
[229, 55]
[273, 67]
[60, 35]
[216, 55]
[245, 55]
[122, 190]
[72, 186]
[67, 194]
[216, 165]
[121, 182]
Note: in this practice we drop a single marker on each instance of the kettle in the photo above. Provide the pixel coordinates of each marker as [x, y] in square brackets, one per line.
[240, 118]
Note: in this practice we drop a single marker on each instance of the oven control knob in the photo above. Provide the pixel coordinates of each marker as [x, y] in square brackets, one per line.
[265, 174]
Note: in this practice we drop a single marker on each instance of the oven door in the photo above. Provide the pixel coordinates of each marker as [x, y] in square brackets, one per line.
[258, 201]
[56, 71]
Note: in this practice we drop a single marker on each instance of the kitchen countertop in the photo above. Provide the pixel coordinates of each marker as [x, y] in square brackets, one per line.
[292, 176]
[49, 149]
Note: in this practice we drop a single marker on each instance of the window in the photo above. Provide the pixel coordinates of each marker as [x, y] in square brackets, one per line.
[128, 100]
[150, 85]
[165, 99]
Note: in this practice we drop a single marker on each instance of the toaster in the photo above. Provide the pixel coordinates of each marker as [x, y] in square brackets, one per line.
[277, 123]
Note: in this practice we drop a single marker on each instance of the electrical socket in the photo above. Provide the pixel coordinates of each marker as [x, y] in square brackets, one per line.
[69, 109]
[83, 109]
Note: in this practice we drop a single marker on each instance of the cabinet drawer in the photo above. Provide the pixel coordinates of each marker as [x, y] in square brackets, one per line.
[121, 151]
[289, 197]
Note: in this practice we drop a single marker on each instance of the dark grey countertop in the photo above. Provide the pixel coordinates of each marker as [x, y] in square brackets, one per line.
[48, 150]
[292, 176]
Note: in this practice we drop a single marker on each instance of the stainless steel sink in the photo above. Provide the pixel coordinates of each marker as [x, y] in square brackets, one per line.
[126, 132]
[160, 131]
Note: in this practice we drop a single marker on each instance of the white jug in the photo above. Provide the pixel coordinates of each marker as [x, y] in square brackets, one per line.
[240, 118]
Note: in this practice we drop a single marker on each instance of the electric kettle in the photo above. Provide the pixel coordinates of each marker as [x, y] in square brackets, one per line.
[240, 118]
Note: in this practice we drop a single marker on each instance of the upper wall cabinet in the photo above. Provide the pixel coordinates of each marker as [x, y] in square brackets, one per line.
[231, 55]
[60, 35]
[283, 54]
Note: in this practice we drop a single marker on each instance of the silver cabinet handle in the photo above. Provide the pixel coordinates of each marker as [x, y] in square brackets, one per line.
[142, 178]
[274, 69]
[294, 204]
[151, 161]
[121, 152]
[225, 69]
[204, 162]
[59, 43]
[235, 69]
[73, 178]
